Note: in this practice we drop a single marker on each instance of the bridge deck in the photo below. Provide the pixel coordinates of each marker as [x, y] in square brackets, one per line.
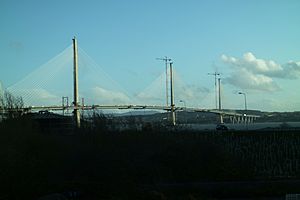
[135, 107]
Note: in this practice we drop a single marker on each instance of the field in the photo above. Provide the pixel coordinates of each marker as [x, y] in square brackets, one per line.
[156, 163]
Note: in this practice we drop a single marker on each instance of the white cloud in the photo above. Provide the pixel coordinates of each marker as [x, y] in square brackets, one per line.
[192, 94]
[247, 80]
[36, 96]
[42, 93]
[155, 93]
[255, 65]
[292, 70]
[250, 72]
[101, 95]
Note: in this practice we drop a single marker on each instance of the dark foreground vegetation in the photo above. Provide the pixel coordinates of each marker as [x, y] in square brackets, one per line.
[155, 163]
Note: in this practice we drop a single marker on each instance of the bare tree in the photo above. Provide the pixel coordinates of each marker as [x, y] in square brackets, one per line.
[11, 104]
[1, 102]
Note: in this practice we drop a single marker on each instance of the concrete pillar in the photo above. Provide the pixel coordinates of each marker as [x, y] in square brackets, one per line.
[75, 81]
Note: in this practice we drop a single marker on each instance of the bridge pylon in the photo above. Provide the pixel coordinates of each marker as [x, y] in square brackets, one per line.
[172, 95]
[75, 82]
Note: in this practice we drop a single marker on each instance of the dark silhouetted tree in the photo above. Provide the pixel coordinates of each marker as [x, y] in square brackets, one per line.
[11, 104]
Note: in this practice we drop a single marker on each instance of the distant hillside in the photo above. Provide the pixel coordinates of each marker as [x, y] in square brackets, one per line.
[183, 117]
[280, 116]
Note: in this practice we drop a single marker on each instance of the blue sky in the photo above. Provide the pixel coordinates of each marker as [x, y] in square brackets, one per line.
[254, 44]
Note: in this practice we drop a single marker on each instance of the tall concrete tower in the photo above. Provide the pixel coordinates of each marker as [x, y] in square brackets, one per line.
[75, 80]
[220, 103]
[172, 95]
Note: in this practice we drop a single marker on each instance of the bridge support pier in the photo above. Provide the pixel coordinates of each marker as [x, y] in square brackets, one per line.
[221, 119]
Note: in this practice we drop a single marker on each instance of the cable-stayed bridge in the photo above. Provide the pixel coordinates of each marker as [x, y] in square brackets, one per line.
[73, 81]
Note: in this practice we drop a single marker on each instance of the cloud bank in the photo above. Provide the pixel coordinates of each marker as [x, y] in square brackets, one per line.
[155, 93]
[35, 96]
[104, 96]
[250, 72]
